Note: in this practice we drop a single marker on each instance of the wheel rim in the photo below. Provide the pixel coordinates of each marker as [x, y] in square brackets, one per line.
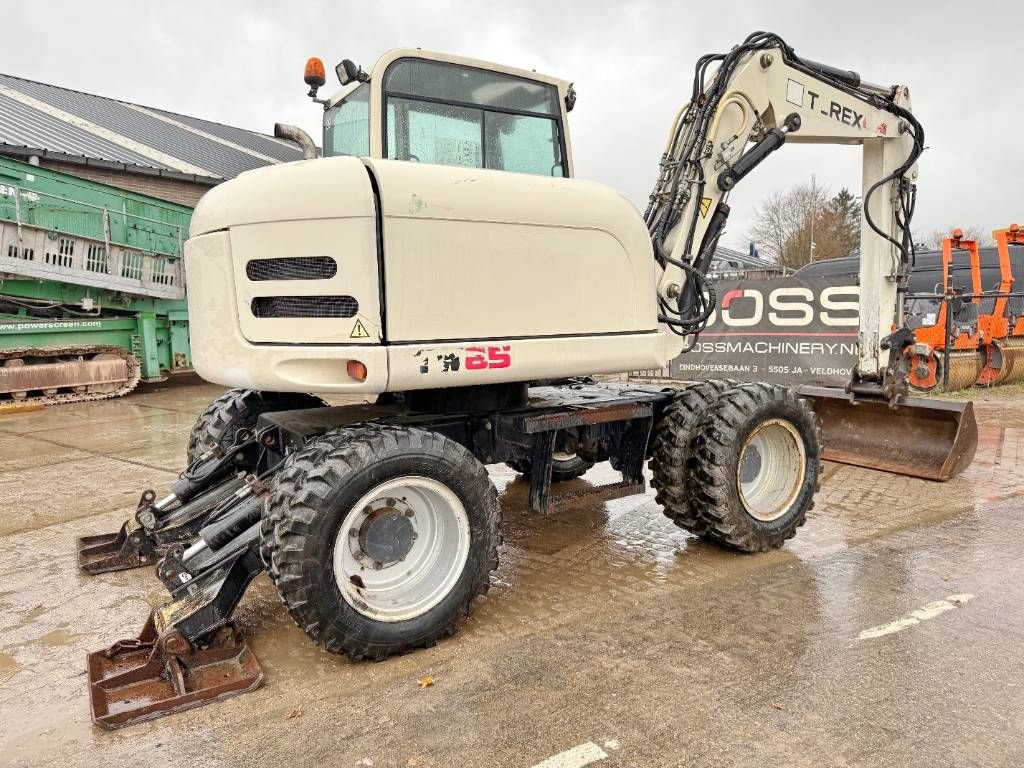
[771, 469]
[563, 456]
[401, 548]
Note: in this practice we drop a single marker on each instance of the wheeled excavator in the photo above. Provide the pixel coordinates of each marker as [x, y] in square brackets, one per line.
[441, 259]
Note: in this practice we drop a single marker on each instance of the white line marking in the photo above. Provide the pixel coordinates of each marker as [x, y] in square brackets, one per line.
[577, 757]
[924, 613]
[105, 133]
[204, 134]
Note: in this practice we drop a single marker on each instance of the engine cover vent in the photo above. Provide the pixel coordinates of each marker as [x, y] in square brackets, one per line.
[292, 268]
[305, 306]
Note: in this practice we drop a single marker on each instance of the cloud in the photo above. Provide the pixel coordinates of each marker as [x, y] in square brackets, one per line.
[632, 62]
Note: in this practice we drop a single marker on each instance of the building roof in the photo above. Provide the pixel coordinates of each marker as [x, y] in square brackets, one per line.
[727, 259]
[72, 126]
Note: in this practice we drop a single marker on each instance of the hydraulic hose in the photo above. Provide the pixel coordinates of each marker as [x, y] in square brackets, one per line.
[681, 179]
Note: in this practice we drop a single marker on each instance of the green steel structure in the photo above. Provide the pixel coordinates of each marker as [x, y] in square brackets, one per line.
[91, 280]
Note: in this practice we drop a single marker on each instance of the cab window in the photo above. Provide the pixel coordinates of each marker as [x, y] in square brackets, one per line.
[347, 125]
[454, 115]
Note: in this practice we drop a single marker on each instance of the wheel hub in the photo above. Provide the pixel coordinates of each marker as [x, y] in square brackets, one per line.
[771, 469]
[402, 548]
[750, 466]
[387, 534]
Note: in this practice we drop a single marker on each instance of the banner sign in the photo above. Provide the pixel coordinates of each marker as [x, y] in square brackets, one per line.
[785, 330]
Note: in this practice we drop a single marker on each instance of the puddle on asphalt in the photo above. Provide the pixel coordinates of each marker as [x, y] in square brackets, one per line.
[57, 638]
[7, 665]
[35, 613]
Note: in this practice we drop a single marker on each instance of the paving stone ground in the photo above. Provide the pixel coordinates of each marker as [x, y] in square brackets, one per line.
[606, 624]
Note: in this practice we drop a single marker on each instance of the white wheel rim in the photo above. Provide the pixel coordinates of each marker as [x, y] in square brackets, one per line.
[771, 469]
[563, 456]
[419, 521]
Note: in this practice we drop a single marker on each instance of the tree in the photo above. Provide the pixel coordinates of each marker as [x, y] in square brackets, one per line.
[840, 226]
[805, 224]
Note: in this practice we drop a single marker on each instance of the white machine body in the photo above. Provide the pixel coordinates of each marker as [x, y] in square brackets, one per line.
[446, 244]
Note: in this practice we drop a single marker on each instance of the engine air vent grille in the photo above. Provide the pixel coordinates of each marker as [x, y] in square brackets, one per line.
[292, 268]
[305, 306]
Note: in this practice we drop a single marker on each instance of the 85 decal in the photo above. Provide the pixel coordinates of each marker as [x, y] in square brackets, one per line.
[485, 358]
[481, 358]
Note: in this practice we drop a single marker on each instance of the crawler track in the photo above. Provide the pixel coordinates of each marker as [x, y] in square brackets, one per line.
[51, 375]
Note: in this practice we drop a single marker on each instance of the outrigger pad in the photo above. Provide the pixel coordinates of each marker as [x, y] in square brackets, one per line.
[113, 552]
[130, 547]
[156, 675]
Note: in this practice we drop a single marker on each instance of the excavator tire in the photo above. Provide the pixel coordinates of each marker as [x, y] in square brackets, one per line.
[672, 451]
[568, 467]
[239, 409]
[756, 467]
[323, 556]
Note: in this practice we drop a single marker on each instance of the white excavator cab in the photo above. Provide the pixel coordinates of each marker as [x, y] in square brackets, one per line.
[449, 110]
[440, 242]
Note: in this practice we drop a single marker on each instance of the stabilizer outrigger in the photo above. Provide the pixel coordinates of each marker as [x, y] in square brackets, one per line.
[205, 491]
[205, 538]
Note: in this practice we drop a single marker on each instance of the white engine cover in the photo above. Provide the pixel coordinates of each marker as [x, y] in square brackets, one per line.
[487, 276]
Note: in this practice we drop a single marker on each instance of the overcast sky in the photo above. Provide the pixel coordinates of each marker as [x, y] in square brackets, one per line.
[632, 62]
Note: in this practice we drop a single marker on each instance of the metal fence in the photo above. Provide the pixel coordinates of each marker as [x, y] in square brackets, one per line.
[147, 261]
[980, 343]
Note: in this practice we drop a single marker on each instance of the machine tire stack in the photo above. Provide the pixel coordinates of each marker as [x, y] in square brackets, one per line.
[702, 452]
[674, 443]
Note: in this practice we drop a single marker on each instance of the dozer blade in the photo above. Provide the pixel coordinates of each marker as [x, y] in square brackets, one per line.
[931, 439]
[156, 675]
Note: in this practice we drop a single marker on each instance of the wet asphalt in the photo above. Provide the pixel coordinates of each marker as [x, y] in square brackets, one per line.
[889, 632]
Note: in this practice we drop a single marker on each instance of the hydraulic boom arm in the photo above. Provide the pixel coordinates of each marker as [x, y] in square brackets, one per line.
[762, 92]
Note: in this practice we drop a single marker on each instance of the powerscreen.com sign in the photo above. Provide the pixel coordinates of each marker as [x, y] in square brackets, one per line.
[786, 330]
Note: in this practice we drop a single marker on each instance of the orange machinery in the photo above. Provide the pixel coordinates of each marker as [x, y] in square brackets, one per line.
[1002, 326]
[956, 318]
